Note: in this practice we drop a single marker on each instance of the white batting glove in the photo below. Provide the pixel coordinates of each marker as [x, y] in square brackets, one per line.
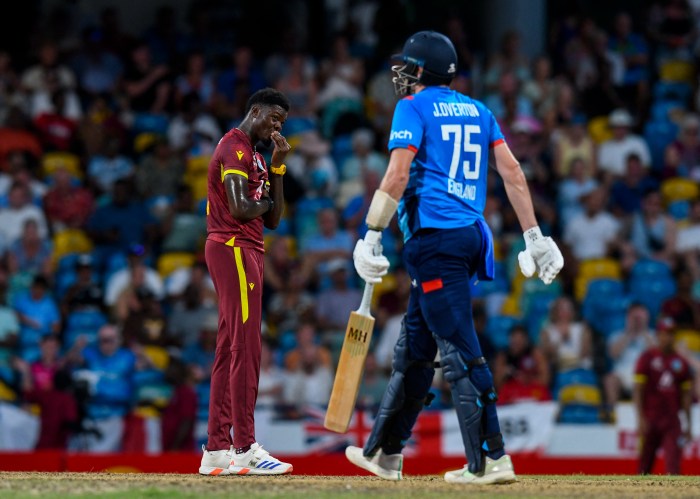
[369, 261]
[541, 254]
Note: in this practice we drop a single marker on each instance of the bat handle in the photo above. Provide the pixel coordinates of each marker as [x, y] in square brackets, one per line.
[366, 300]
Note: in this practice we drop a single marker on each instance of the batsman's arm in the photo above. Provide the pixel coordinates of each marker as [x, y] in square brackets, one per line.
[386, 198]
[516, 185]
[240, 206]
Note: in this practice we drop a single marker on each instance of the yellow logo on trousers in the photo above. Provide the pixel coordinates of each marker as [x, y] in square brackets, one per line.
[252, 285]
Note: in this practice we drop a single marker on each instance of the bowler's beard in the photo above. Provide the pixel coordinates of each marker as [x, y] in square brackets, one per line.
[266, 142]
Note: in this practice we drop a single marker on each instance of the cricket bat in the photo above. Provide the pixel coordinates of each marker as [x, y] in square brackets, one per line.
[351, 363]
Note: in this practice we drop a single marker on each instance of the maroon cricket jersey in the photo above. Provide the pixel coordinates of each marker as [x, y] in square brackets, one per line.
[665, 377]
[234, 155]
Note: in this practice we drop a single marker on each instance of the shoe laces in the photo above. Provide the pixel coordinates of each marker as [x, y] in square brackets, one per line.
[261, 453]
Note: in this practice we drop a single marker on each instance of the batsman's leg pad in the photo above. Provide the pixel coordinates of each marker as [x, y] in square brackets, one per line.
[467, 401]
[405, 396]
[491, 440]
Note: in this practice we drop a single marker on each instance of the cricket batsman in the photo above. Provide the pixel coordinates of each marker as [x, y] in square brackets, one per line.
[440, 145]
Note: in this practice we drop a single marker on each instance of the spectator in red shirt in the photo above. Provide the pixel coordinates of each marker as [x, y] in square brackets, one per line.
[662, 389]
[67, 205]
[57, 406]
[178, 418]
[521, 371]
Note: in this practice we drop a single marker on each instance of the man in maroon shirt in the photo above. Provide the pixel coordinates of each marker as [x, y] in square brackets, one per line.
[662, 389]
[243, 195]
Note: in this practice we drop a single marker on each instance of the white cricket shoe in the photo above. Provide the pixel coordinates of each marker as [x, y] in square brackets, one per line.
[498, 471]
[215, 462]
[386, 466]
[257, 461]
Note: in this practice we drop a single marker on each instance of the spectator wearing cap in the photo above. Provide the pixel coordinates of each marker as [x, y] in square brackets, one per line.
[39, 316]
[613, 153]
[136, 275]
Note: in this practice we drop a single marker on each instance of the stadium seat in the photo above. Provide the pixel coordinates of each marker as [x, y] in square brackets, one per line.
[52, 161]
[198, 164]
[677, 71]
[579, 414]
[144, 141]
[584, 394]
[648, 270]
[673, 90]
[498, 327]
[70, 241]
[148, 122]
[652, 293]
[305, 217]
[537, 313]
[595, 269]
[158, 356]
[599, 130]
[604, 304]
[169, 262]
[580, 401]
[198, 182]
[86, 323]
[663, 110]
[679, 210]
[658, 135]
[578, 376]
[679, 189]
[341, 150]
[690, 338]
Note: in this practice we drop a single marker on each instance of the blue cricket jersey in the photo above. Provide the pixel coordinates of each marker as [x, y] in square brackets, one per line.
[451, 135]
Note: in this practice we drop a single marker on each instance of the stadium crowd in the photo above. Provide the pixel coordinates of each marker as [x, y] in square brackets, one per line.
[108, 312]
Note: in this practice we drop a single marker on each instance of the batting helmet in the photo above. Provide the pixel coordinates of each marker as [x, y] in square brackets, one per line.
[431, 51]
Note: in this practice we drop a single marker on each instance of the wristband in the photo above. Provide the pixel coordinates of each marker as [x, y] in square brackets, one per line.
[533, 234]
[280, 170]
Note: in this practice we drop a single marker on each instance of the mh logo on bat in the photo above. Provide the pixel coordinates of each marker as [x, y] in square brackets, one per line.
[358, 340]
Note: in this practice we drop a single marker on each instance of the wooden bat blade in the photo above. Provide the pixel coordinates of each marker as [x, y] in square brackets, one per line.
[348, 375]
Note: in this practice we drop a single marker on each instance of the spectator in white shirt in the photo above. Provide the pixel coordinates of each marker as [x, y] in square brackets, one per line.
[590, 234]
[20, 209]
[310, 384]
[613, 153]
[624, 348]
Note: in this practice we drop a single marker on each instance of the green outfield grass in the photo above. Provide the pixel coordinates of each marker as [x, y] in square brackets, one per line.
[118, 486]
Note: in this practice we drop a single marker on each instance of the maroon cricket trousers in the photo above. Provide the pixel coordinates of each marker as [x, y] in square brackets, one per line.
[237, 274]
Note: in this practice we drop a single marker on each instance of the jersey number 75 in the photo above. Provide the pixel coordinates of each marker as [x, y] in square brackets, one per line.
[462, 144]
